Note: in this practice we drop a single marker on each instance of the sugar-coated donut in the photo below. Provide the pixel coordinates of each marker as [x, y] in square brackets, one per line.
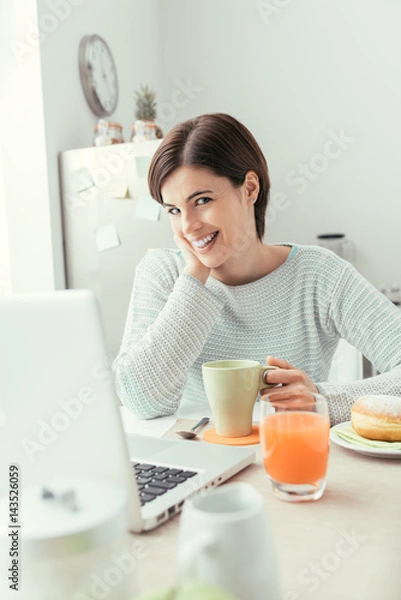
[377, 417]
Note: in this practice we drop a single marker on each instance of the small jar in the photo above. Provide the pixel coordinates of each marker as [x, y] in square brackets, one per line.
[108, 133]
[145, 130]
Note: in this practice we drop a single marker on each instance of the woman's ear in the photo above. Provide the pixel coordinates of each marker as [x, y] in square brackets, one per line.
[251, 186]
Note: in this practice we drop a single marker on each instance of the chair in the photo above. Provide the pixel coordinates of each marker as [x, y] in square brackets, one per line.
[347, 364]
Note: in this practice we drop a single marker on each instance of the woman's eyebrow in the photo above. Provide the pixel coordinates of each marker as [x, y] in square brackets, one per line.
[193, 195]
[198, 193]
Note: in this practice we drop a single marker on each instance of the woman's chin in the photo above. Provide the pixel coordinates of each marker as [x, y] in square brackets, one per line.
[212, 260]
[212, 264]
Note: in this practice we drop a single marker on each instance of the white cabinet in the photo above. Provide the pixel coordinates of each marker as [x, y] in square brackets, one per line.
[108, 224]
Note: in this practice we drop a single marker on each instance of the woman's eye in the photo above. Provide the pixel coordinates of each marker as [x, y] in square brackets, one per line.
[198, 202]
[173, 211]
[201, 201]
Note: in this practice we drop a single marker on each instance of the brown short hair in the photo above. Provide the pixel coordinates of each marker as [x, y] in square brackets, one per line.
[219, 143]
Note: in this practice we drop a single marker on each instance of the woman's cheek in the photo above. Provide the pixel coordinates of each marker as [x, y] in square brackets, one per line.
[175, 226]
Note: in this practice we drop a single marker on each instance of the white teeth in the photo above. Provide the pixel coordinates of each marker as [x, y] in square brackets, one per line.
[206, 240]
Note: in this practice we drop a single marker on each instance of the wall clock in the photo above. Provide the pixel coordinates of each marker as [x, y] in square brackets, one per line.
[98, 75]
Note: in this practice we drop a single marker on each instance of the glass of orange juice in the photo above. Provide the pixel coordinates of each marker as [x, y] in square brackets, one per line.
[294, 437]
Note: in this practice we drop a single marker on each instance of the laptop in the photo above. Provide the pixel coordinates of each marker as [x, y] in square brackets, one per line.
[60, 417]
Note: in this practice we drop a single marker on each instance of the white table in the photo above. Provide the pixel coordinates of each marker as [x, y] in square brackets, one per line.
[346, 546]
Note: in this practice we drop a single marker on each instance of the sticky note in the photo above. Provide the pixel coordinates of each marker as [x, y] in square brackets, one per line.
[142, 165]
[106, 237]
[147, 208]
[81, 180]
[119, 189]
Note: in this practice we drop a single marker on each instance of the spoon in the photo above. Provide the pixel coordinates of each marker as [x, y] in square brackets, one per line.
[189, 435]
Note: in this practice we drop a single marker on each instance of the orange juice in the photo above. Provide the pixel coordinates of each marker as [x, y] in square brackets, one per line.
[295, 446]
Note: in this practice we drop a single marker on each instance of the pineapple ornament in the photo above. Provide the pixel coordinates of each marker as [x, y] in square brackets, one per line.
[145, 127]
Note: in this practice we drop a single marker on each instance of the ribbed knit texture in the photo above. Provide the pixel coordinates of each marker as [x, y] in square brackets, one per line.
[298, 312]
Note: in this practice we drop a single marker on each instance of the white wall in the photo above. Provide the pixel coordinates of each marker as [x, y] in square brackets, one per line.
[131, 28]
[23, 154]
[5, 272]
[46, 112]
[298, 74]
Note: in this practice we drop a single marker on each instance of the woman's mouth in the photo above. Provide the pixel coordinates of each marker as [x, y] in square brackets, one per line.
[204, 242]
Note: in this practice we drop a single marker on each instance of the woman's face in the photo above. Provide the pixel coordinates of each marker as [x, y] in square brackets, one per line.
[215, 218]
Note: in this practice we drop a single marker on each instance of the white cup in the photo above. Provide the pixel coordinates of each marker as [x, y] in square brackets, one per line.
[225, 539]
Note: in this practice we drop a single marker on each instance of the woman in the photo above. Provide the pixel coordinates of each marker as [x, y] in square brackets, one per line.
[227, 294]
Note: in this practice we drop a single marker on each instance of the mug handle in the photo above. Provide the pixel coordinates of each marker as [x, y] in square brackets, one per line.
[264, 369]
[189, 554]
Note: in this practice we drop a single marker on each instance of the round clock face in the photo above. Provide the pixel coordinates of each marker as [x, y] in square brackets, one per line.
[98, 75]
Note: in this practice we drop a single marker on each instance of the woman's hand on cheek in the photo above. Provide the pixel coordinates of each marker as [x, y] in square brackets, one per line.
[292, 380]
[193, 265]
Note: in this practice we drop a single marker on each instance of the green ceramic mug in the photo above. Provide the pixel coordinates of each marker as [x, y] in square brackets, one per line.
[232, 387]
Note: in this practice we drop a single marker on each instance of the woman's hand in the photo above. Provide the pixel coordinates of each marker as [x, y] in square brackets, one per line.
[193, 265]
[293, 381]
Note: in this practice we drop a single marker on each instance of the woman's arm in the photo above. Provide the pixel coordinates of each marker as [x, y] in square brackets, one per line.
[342, 396]
[369, 321]
[351, 308]
[170, 317]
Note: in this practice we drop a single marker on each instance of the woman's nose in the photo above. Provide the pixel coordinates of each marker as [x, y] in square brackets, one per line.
[190, 222]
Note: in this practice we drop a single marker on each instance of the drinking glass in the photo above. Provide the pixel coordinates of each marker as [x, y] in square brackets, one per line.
[294, 437]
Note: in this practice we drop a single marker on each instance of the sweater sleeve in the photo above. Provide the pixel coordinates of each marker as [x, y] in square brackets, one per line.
[364, 317]
[169, 319]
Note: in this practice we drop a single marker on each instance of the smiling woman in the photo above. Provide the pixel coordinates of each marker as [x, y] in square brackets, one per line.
[203, 143]
[214, 226]
[226, 294]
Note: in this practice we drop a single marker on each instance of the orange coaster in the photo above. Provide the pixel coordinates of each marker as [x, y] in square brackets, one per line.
[211, 436]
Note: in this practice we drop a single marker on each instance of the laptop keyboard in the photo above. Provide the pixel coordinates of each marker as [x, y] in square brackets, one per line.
[153, 480]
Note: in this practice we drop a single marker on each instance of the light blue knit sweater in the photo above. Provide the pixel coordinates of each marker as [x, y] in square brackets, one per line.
[297, 312]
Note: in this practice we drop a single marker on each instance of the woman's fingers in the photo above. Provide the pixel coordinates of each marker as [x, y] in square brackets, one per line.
[279, 362]
[193, 266]
[283, 376]
[183, 246]
[290, 379]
